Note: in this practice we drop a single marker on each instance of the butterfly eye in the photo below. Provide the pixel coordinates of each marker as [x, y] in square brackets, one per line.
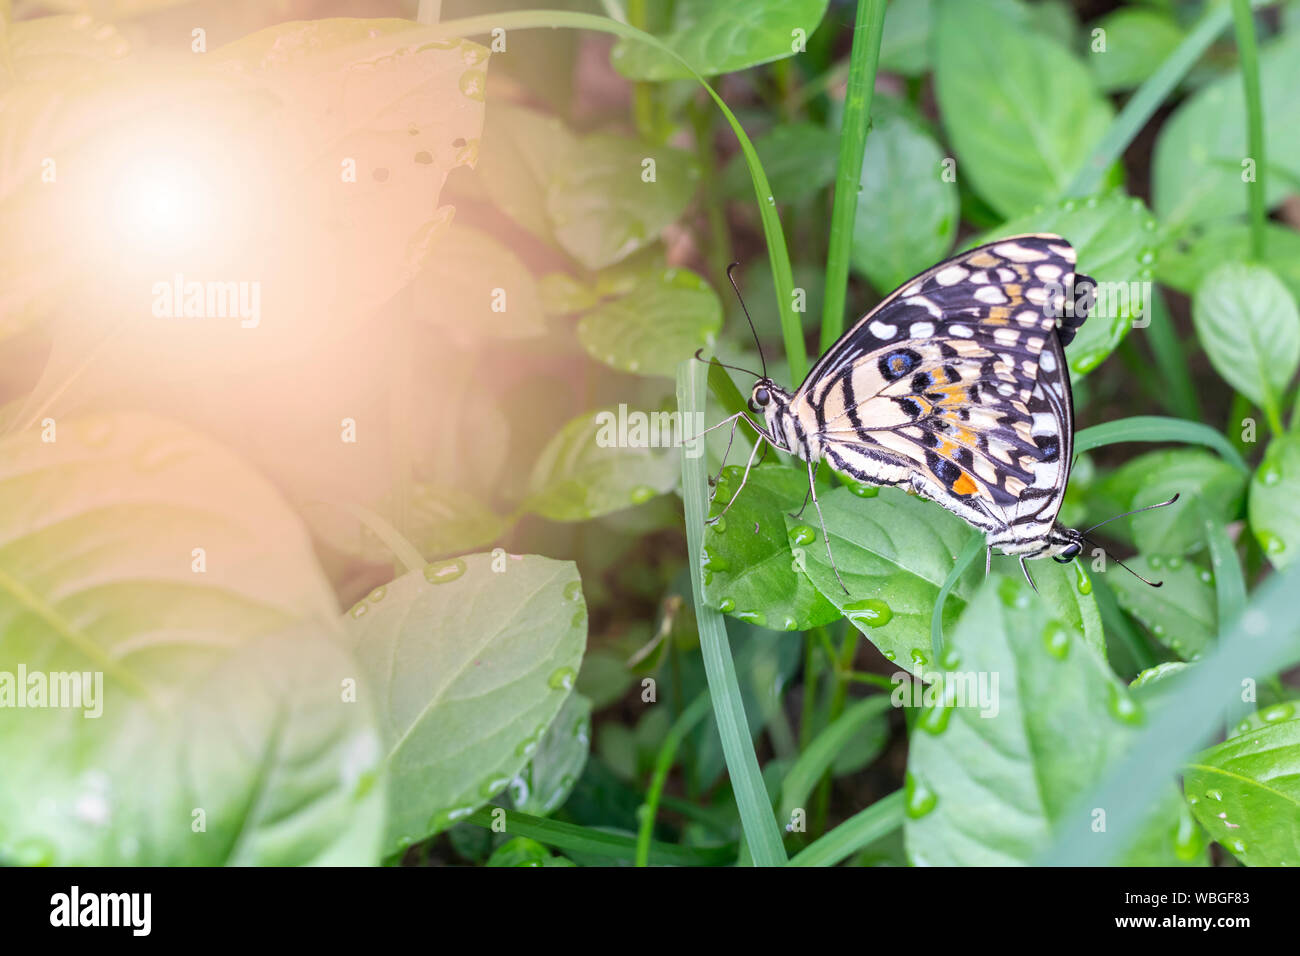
[762, 396]
[1068, 554]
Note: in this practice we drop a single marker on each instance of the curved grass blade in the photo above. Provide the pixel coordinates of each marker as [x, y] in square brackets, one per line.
[880, 819]
[1157, 428]
[762, 835]
[818, 756]
[684, 724]
[967, 554]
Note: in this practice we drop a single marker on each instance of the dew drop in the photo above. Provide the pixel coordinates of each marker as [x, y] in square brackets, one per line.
[918, 799]
[751, 617]
[1057, 640]
[726, 605]
[863, 490]
[720, 526]
[377, 595]
[1215, 795]
[1081, 579]
[561, 678]
[573, 590]
[443, 571]
[951, 660]
[802, 534]
[918, 658]
[711, 560]
[871, 612]
[359, 611]
[934, 720]
[1277, 712]
[890, 656]
[1123, 708]
[642, 493]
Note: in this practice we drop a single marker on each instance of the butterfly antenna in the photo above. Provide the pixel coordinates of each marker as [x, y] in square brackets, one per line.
[734, 368]
[732, 280]
[1159, 504]
[1154, 584]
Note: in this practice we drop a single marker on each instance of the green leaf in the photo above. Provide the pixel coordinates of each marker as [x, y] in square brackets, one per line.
[588, 469]
[905, 44]
[519, 851]
[470, 665]
[134, 549]
[799, 159]
[522, 151]
[1264, 717]
[1020, 109]
[614, 196]
[1113, 237]
[477, 287]
[542, 787]
[1198, 165]
[1194, 253]
[1137, 41]
[1246, 793]
[1182, 614]
[1274, 506]
[907, 215]
[991, 775]
[1250, 328]
[1207, 487]
[753, 574]
[663, 318]
[721, 36]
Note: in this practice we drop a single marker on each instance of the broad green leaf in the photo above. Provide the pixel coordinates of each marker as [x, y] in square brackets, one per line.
[477, 289]
[522, 151]
[1206, 486]
[134, 549]
[722, 36]
[542, 787]
[1182, 614]
[665, 317]
[992, 773]
[750, 571]
[1187, 258]
[1275, 501]
[1137, 41]
[905, 44]
[1248, 323]
[1113, 237]
[1264, 717]
[614, 196]
[1199, 163]
[894, 552]
[469, 666]
[799, 159]
[907, 215]
[1246, 793]
[604, 461]
[1021, 111]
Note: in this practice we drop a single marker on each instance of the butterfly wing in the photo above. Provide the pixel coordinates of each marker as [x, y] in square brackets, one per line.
[956, 385]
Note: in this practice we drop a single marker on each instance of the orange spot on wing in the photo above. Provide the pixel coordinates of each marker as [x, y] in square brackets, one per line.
[964, 485]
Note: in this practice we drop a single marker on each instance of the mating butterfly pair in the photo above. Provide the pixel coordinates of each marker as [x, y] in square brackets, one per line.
[955, 387]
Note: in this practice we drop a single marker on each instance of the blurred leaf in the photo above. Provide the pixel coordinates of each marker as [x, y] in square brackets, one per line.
[477, 288]
[799, 158]
[1020, 109]
[907, 215]
[470, 666]
[1264, 717]
[62, 48]
[138, 550]
[603, 204]
[519, 851]
[988, 781]
[752, 574]
[1193, 254]
[1246, 793]
[1250, 328]
[1138, 40]
[522, 151]
[1275, 501]
[1113, 237]
[1182, 614]
[721, 36]
[1206, 485]
[665, 317]
[1197, 171]
[543, 786]
[905, 45]
[588, 469]
[604, 677]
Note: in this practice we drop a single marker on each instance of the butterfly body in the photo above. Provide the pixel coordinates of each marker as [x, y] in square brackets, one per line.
[956, 388]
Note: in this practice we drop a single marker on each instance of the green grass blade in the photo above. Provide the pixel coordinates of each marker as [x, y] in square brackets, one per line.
[880, 819]
[1156, 428]
[684, 724]
[1143, 104]
[974, 545]
[1179, 393]
[1262, 641]
[1244, 26]
[820, 754]
[761, 832]
[777, 252]
[1114, 622]
[863, 61]
[616, 846]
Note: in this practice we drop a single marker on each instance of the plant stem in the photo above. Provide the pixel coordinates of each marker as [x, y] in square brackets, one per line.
[682, 726]
[868, 27]
[1244, 24]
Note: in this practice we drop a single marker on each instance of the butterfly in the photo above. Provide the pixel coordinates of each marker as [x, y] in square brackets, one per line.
[954, 387]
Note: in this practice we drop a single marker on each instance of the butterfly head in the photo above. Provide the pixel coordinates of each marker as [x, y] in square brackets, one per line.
[772, 402]
[1064, 544]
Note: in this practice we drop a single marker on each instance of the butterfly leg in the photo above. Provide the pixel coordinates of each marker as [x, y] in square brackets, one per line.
[988, 560]
[723, 467]
[744, 478]
[1025, 569]
[807, 497]
[812, 490]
